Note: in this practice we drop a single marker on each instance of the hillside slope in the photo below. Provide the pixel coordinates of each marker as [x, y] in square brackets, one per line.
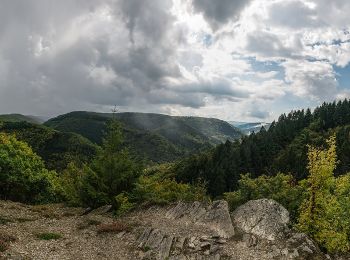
[20, 118]
[159, 138]
[56, 148]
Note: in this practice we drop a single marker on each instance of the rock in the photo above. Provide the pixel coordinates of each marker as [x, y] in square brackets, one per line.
[250, 240]
[215, 216]
[264, 218]
[101, 210]
[267, 220]
[179, 243]
[165, 247]
[214, 249]
[219, 219]
[205, 245]
[144, 237]
[154, 239]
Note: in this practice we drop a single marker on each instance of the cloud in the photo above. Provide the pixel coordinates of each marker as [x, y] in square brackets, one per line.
[312, 79]
[174, 56]
[218, 13]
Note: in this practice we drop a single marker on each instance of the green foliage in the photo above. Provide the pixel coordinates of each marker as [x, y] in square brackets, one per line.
[19, 118]
[111, 173]
[57, 149]
[323, 214]
[283, 148]
[122, 204]
[152, 190]
[281, 188]
[23, 176]
[48, 236]
[113, 165]
[154, 137]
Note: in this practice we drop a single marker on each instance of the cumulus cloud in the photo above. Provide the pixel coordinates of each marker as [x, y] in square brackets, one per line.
[220, 12]
[200, 57]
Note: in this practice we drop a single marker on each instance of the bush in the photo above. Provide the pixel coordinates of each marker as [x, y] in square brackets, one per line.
[157, 190]
[281, 188]
[122, 204]
[23, 176]
[48, 236]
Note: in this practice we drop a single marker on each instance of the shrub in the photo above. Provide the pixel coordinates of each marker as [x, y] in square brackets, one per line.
[122, 204]
[157, 190]
[23, 176]
[281, 188]
[48, 236]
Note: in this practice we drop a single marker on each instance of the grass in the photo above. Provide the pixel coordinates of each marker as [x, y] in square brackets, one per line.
[4, 220]
[88, 223]
[48, 236]
[146, 248]
[46, 211]
[114, 227]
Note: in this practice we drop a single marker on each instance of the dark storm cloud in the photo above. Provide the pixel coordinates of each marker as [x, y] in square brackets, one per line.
[220, 12]
[57, 56]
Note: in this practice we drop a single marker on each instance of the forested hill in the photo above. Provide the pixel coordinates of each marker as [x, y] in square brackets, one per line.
[56, 148]
[156, 137]
[20, 118]
[282, 148]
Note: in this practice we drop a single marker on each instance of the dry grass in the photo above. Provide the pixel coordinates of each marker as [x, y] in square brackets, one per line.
[46, 211]
[114, 227]
[87, 223]
[5, 240]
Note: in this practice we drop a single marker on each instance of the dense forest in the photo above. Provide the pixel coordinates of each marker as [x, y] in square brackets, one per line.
[282, 148]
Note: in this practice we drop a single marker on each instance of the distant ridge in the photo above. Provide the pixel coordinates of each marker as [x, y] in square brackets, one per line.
[21, 118]
[158, 137]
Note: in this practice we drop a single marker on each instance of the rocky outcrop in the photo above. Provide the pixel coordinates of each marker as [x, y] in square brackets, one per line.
[263, 218]
[159, 245]
[215, 216]
[264, 224]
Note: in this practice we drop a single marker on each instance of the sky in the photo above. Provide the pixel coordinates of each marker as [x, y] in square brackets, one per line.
[240, 60]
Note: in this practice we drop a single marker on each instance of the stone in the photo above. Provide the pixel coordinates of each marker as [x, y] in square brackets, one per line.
[215, 216]
[144, 236]
[165, 247]
[264, 218]
[155, 238]
[219, 219]
[205, 245]
[101, 210]
[179, 243]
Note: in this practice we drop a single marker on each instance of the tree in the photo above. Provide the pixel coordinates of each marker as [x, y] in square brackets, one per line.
[23, 176]
[114, 164]
[321, 214]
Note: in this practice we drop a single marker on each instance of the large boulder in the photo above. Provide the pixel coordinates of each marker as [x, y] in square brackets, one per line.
[264, 225]
[264, 218]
